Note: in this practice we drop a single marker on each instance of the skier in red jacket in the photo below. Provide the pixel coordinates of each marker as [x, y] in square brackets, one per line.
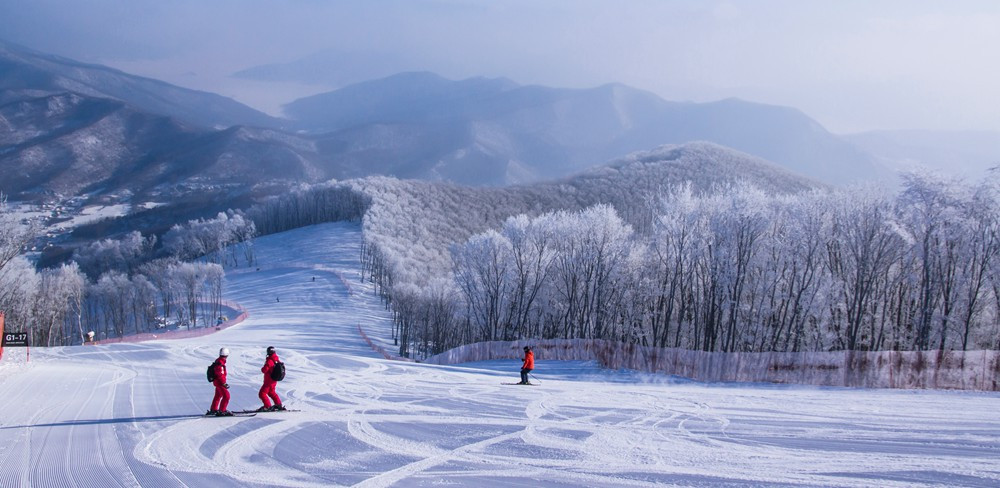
[529, 364]
[220, 402]
[269, 391]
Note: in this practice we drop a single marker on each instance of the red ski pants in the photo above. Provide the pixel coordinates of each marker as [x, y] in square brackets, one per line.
[269, 392]
[221, 400]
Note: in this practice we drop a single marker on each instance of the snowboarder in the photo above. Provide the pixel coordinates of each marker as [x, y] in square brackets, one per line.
[529, 364]
[220, 403]
[269, 391]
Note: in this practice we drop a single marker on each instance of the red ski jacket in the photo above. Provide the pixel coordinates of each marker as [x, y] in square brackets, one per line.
[220, 371]
[529, 360]
[268, 366]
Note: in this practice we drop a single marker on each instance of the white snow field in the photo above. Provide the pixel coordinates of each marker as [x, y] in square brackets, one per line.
[129, 414]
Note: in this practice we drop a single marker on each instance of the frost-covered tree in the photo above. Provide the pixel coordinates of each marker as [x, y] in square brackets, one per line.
[481, 272]
[157, 272]
[673, 241]
[863, 252]
[19, 285]
[114, 294]
[122, 255]
[531, 252]
[224, 240]
[796, 250]
[191, 282]
[18, 280]
[60, 292]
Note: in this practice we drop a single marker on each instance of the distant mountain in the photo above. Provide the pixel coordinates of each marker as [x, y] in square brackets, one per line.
[970, 153]
[493, 131]
[332, 68]
[405, 98]
[72, 144]
[81, 152]
[26, 74]
[705, 165]
[82, 136]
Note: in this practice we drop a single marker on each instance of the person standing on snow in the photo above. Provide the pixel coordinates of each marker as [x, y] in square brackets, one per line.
[269, 391]
[529, 364]
[220, 403]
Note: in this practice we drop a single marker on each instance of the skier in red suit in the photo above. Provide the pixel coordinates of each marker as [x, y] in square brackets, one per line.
[269, 391]
[527, 366]
[220, 403]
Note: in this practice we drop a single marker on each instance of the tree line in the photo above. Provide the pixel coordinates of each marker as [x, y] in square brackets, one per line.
[116, 287]
[741, 270]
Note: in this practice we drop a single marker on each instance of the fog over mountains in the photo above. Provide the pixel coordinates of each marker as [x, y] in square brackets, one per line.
[512, 134]
[968, 153]
[331, 67]
[70, 129]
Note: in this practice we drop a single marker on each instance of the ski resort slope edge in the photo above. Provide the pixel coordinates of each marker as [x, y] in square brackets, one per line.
[129, 414]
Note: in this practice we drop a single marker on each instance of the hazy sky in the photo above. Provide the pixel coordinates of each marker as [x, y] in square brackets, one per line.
[852, 65]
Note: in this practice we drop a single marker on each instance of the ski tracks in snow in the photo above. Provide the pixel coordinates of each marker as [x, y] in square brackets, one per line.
[66, 442]
[366, 421]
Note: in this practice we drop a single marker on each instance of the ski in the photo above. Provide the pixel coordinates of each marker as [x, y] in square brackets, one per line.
[267, 411]
[522, 384]
[234, 414]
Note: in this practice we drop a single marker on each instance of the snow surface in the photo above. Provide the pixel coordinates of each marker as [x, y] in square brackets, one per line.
[93, 213]
[128, 414]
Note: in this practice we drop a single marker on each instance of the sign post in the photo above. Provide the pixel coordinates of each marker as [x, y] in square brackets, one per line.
[17, 339]
[13, 339]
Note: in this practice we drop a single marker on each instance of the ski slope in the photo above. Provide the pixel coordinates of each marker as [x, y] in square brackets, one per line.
[129, 414]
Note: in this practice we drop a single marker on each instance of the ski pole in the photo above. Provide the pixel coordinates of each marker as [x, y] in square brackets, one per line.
[536, 379]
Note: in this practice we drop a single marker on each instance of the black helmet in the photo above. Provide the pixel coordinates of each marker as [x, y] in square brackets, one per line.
[270, 350]
[526, 348]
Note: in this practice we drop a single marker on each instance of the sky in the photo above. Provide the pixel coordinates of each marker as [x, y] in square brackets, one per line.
[852, 65]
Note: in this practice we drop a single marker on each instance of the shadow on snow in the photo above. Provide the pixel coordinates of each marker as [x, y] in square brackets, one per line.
[73, 423]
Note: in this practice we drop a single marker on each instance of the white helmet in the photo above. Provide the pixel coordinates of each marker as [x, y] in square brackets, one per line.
[224, 352]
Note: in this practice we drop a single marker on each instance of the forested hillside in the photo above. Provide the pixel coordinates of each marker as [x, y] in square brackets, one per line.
[692, 247]
[413, 223]
[695, 247]
[414, 228]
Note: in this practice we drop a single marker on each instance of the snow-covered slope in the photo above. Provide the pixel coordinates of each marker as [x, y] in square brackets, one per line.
[126, 414]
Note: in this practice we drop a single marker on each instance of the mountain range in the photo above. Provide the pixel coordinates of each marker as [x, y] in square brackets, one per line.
[71, 129]
[29, 74]
[497, 130]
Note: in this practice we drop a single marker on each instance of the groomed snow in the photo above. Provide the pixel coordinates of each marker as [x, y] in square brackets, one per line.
[128, 414]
